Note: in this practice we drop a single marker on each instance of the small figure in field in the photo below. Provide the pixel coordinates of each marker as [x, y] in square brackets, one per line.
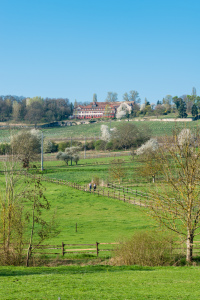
[94, 186]
[90, 186]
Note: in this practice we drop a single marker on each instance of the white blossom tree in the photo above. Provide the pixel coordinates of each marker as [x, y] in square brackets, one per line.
[122, 111]
[105, 133]
[149, 147]
[185, 137]
[147, 151]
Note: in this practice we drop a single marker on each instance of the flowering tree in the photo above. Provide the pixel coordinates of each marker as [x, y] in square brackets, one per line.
[105, 134]
[149, 147]
[70, 153]
[63, 156]
[122, 111]
[147, 155]
[121, 114]
[185, 137]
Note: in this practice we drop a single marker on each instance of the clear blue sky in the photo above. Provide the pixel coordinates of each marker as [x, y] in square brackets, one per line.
[74, 48]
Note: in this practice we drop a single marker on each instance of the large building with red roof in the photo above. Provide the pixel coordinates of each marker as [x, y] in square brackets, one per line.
[100, 109]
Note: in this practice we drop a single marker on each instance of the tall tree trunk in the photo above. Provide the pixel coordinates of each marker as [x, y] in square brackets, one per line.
[29, 252]
[189, 255]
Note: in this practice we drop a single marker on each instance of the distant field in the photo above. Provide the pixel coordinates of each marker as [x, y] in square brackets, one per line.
[93, 130]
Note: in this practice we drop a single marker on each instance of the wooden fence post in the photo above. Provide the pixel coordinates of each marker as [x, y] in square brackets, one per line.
[63, 249]
[124, 198]
[97, 244]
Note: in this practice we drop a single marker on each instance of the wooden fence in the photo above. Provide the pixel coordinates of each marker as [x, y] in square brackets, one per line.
[64, 248]
[123, 194]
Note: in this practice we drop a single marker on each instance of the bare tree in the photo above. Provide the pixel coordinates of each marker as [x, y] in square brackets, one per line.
[117, 170]
[38, 202]
[12, 222]
[177, 203]
[111, 97]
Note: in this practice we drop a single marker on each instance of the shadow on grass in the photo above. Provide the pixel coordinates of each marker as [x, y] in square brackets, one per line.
[23, 271]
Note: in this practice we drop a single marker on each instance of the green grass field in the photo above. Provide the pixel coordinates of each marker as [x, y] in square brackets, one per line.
[98, 219]
[93, 130]
[99, 282]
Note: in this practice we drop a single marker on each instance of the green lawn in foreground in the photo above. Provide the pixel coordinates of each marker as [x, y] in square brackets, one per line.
[99, 282]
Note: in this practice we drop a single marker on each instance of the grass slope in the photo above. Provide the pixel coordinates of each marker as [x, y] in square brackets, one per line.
[93, 130]
[98, 218]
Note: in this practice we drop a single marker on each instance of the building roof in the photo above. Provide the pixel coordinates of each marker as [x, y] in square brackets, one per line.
[103, 104]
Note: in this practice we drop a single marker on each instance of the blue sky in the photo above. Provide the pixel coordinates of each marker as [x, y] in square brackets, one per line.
[73, 49]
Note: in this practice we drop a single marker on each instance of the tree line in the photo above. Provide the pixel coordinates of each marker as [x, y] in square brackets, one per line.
[34, 110]
[182, 105]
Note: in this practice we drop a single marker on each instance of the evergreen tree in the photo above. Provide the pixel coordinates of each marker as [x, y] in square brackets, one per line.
[94, 97]
[182, 109]
[194, 111]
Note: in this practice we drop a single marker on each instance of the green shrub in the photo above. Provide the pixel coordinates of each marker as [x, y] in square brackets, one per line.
[145, 249]
[63, 145]
[100, 145]
[90, 145]
[5, 149]
[109, 146]
[54, 147]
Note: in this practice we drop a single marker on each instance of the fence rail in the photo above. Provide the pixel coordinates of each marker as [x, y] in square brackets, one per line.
[107, 192]
[64, 249]
[68, 248]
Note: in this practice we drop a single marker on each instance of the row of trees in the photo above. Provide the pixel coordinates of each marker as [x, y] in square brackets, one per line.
[113, 97]
[34, 110]
[184, 105]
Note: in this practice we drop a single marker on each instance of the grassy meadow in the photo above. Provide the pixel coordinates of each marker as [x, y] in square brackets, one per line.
[158, 128]
[99, 282]
[99, 219]
[91, 130]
